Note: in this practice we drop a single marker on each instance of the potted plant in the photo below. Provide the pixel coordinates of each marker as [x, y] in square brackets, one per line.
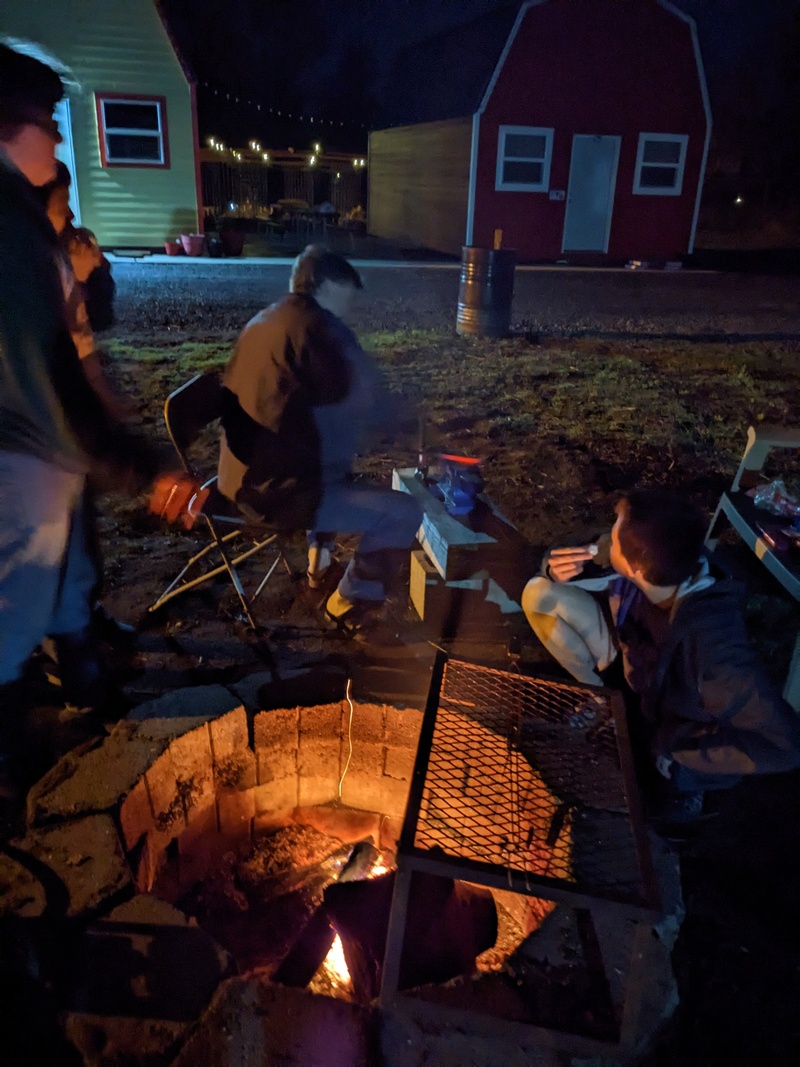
[193, 243]
[173, 248]
[232, 241]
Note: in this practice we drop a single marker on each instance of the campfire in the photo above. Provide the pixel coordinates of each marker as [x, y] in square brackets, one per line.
[440, 863]
[303, 898]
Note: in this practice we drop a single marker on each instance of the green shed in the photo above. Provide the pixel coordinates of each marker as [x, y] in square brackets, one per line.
[129, 122]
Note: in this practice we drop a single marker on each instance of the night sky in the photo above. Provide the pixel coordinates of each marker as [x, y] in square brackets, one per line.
[328, 60]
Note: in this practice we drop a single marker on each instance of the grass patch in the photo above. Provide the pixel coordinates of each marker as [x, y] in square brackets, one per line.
[562, 425]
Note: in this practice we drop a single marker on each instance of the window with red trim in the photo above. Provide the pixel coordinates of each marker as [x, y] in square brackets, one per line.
[132, 130]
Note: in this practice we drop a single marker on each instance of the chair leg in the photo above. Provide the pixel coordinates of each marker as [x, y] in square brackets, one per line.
[267, 576]
[177, 586]
[168, 592]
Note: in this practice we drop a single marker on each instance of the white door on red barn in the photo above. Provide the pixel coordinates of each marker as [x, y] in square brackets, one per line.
[590, 195]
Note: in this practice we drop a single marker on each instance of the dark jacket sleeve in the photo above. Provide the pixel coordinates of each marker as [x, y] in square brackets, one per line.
[98, 292]
[41, 365]
[720, 712]
[121, 459]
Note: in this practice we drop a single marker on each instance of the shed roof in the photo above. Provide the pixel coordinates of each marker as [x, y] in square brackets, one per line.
[446, 75]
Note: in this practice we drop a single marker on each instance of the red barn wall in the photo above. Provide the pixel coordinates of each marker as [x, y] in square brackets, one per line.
[612, 67]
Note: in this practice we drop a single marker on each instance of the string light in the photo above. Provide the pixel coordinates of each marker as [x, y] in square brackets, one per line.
[277, 111]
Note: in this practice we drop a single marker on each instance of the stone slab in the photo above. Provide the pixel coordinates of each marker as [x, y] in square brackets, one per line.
[79, 863]
[133, 1001]
[251, 1024]
[21, 892]
[203, 702]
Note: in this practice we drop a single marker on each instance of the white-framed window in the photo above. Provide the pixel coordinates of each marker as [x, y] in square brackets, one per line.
[132, 130]
[523, 159]
[659, 164]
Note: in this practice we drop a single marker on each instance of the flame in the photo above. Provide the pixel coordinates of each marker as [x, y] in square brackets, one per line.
[335, 965]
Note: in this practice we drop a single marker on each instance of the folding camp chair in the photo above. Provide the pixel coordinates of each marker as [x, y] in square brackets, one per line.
[187, 412]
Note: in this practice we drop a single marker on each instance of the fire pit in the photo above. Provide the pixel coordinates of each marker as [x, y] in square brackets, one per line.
[193, 788]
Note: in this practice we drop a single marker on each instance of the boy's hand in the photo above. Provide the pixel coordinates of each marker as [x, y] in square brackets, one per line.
[171, 495]
[566, 563]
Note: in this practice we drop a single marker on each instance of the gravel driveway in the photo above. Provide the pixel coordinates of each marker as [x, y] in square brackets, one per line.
[194, 300]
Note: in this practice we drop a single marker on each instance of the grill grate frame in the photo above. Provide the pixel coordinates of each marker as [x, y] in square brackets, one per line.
[531, 780]
[528, 785]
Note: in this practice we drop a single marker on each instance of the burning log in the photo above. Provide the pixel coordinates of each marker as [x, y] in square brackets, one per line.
[450, 924]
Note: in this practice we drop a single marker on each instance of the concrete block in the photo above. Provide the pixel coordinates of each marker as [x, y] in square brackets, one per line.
[202, 828]
[236, 811]
[275, 763]
[363, 791]
[317, 789]
[401, 728]
[394, 797]
[191, 754]
[228, 734]
[367, 758]
[319, 756]
[166, 796]
[237, 771]
[86, 856]
[136, 814]
[322, 721]
[151, 858]
[400, 763]
[277, 727]
[267, 822]
[278, 795]
[367, 722]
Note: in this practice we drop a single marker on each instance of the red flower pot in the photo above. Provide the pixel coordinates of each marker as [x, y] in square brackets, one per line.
[192, 243]
[173, 248]
[232, 242]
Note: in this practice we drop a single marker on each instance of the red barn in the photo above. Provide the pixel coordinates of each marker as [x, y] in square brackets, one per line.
[579, 128]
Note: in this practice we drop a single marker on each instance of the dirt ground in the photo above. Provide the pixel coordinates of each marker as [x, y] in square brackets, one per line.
[605, 385]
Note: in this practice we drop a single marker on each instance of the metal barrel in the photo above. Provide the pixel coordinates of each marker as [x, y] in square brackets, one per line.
[485, 291]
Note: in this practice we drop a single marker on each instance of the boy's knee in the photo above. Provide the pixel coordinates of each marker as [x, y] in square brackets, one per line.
[537, 596]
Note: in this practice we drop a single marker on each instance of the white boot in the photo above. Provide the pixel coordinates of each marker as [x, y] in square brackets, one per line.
[319, 559]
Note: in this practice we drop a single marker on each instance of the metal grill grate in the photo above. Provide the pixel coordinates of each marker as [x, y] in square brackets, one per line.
[531, 780]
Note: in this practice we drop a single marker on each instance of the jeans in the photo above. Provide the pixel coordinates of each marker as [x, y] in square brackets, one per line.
[388, 521]
[46, 573]
[570, 624]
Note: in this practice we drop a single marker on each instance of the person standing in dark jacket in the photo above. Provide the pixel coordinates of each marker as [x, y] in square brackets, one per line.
[708, 710]
[53, 427]
[302, 395]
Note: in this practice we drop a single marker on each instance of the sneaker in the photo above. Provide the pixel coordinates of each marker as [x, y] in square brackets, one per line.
[352, 616]
[319, 561]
